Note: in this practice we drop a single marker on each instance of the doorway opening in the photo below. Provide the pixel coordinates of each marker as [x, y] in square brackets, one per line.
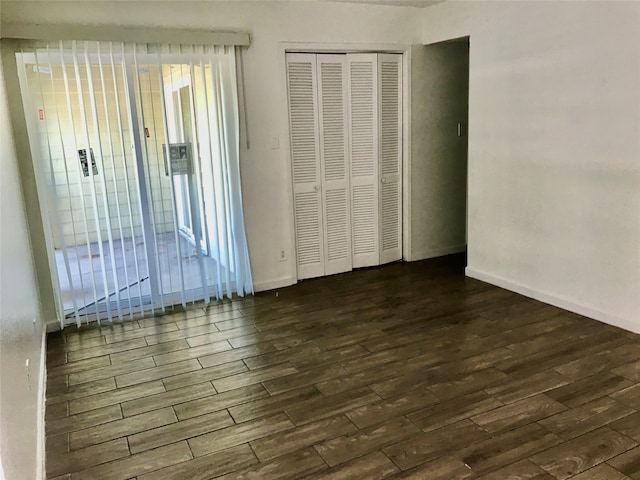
[439, 164]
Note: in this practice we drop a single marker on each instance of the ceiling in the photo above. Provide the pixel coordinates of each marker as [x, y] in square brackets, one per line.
[397, 3]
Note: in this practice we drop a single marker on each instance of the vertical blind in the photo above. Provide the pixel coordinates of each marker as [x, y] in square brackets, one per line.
[136, 152]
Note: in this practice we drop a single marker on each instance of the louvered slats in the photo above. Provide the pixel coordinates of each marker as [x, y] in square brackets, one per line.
[308, 228]
[389, 115]
[305, 156]
[390, 157]
[365, 220]
[337, 215]
[390, 221]
[303, 122]
[362, 90]
[333, 131]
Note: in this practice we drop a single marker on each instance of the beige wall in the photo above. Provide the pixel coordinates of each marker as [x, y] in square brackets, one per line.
[554, 149]
[21, 325]
[439, 91]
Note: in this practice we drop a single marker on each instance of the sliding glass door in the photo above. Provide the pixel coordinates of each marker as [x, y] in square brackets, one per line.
[137, 187]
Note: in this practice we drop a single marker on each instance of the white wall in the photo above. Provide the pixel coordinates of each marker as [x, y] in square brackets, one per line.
[554, 149]
[439, 91]
[21, 327]
[265, 172]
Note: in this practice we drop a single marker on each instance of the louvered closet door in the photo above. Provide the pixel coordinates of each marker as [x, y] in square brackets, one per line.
[305, 153]
[390, 114]
[332, 87]
[363, 127]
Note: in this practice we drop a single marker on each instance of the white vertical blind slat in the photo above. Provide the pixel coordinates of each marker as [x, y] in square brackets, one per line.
[72, 215]
[212, 211]
[161, 253]
[224, 218]
[167, 159]
[153, 251]
[186, 209]
[195, 198]
[141, 180]
[241, 274]
[89, 156]
[116, 194]
[53, 185]
[123, 152]
[105, 193]
[79, 173]
[203, 124]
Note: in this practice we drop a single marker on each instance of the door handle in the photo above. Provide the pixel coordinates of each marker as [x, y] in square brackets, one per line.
[316, 188]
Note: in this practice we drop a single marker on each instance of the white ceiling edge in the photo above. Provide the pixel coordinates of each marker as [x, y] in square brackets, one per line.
[394, 3]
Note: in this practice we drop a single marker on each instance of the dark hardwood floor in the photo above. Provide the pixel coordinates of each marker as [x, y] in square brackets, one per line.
[409, 370]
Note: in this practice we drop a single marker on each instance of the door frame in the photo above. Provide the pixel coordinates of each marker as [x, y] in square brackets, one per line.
[343, 48]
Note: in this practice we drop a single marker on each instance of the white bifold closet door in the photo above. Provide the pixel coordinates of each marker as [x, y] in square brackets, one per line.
[317, 106]
[346, 172]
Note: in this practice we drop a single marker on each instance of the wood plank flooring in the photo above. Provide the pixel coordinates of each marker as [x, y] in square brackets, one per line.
[409, 370]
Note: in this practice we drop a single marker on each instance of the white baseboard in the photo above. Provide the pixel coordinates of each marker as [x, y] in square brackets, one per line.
[554, 300]
[436, 252]
[42, 388]
[274, 283]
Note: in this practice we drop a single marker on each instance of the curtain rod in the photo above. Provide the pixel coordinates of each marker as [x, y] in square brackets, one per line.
[127, 34]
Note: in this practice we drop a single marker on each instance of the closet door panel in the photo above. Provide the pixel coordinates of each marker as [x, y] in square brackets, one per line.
[390, 117]
[334, 163]
[363, 129]
[305, 155]
[308, 218]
